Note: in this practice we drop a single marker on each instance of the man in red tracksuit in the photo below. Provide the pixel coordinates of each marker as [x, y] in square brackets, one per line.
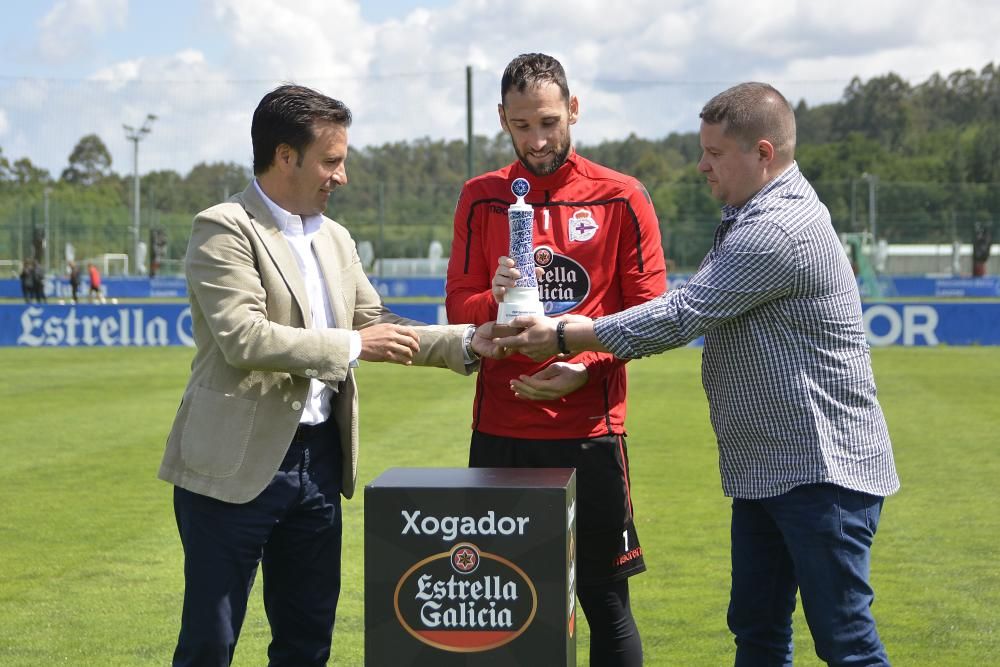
[597, 242]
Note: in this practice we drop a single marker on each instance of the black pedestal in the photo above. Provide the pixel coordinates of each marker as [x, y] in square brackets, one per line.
[470, 566]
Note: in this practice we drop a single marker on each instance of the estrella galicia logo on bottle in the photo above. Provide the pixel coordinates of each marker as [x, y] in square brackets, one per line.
[564, 283]
[465, 600]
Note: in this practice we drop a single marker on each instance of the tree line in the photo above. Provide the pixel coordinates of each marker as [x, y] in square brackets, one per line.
[931, 151]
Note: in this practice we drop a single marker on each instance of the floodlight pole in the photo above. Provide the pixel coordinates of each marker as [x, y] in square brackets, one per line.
[872, 180]
[468, 121]
[45, 194]
[135, 136]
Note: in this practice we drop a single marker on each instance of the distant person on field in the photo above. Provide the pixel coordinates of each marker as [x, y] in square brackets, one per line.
[803, 446]
[95, 283]
[265, 441]
[28, 280]
[74, 280]
[40, 283]
[981, 249]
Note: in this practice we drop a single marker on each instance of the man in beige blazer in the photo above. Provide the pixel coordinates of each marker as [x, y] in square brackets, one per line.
[265, 440]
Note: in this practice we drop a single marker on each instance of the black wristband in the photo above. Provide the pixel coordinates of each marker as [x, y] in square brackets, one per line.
[561, 337]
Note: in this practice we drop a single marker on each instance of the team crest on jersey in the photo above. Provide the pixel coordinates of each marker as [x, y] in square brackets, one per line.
[582, 226]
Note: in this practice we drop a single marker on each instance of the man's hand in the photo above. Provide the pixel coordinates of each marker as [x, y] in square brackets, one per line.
[506, 276]
[483, 345]
[389, 342]
[554, 381]
[536, 340]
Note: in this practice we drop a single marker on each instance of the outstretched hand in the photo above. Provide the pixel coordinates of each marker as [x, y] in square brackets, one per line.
[483, 343]
[537, 338]
[554, 381]
[389, 342]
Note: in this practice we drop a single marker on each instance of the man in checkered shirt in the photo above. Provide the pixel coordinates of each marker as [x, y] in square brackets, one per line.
[804, 449]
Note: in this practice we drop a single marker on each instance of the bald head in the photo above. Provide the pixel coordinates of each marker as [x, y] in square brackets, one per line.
[754, 111]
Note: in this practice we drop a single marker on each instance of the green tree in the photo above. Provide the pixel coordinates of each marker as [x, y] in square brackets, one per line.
[878, 108]
[24, 173]
[209, 183]
[89, 163]
[163, 191]
[4, 168]
[814, 125]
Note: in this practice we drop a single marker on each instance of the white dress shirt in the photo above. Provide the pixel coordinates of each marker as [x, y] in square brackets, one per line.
[299, 232]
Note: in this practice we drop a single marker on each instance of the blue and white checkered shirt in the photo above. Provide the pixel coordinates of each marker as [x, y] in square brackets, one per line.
[786, 366]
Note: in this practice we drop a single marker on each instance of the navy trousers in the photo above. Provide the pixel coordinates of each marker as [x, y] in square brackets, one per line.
[816, 539]
[293, 530]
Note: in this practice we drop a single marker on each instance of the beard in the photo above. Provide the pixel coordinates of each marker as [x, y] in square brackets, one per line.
[549, 167]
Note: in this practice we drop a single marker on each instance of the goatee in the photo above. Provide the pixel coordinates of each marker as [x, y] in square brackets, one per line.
[548, 168]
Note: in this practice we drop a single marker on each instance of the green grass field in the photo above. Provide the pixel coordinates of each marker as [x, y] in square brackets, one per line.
[90, 563]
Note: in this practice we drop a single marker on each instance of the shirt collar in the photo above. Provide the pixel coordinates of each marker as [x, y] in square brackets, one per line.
[290, 223]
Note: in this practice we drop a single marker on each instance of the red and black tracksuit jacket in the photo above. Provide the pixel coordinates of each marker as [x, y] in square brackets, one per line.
[597, 237]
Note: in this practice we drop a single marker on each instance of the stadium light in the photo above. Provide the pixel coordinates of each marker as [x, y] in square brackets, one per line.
[45, 193]
[135, 136]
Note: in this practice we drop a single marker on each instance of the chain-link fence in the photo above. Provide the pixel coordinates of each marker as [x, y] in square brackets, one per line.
[398, 221]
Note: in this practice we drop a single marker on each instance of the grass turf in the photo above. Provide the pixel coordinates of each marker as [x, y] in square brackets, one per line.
[90, 563]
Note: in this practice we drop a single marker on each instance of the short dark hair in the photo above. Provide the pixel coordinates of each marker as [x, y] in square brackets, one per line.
[754, 111]
[286, 116]
[532, 69]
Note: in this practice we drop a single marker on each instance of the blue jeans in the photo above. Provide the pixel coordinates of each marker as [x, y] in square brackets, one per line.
[816, 538]
[293, 529]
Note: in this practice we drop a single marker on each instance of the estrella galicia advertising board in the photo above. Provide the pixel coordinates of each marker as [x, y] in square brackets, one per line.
[471, 566]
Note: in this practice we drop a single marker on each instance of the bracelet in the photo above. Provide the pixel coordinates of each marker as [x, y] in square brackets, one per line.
[561, 337]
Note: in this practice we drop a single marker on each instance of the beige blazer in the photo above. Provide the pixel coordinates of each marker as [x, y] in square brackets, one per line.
[256, 353]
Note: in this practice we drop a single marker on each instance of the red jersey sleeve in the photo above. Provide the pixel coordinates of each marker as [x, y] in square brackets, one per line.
[468, 294]
[640, 251]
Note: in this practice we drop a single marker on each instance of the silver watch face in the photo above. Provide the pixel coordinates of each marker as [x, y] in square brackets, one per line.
[470, 333]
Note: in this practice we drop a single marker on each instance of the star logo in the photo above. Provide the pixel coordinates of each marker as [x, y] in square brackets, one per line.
[465, 558]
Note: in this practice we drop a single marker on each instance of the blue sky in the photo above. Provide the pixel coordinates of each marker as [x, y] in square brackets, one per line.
[73, 67]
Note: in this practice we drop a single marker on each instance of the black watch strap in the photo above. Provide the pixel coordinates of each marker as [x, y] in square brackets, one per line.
[561, 337]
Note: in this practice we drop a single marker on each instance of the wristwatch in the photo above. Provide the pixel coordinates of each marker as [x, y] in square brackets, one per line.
[470, 354]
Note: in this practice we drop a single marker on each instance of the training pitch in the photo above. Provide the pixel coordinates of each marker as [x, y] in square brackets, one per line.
[90, 562]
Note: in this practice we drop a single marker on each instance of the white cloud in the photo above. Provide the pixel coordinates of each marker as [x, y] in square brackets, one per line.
[118, 74]
[71, 27]
[4, 125]
[306, 40]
